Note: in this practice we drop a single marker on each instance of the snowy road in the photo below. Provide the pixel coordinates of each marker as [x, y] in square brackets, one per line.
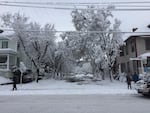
[75, 104]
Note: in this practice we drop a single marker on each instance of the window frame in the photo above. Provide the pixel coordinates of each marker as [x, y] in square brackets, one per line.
[132, 46]
[4, 44]
[2, 57]
[147, 44]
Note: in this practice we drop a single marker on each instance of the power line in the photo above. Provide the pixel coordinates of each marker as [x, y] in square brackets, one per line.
[32, 4]
[43, 7]
[78, 4]
[126, 32]
[70, 4]
[66, 8]
[75, 3]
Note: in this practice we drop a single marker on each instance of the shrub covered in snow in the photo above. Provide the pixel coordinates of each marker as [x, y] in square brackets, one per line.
[122, 77]
[85, 68]
[4, 80]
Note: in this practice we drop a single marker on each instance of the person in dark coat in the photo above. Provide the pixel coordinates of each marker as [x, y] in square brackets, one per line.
[14, 82]
[16, 74]
[135, 77]
[128, 79]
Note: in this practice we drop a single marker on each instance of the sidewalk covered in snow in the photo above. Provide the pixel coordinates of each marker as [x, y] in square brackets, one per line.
[61, 87]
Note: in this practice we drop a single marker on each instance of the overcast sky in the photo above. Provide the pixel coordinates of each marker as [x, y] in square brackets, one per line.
[62, 18]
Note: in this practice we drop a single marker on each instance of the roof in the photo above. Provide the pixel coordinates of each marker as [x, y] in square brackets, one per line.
[6, 35]
[142, 30]
[137, 35]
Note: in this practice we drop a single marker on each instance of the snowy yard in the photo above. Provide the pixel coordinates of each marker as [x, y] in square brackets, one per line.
[61, 87]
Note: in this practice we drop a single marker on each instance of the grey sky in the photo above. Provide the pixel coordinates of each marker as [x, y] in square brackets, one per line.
[62, 18]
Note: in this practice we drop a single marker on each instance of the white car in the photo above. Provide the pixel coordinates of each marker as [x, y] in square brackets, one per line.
[143, 87]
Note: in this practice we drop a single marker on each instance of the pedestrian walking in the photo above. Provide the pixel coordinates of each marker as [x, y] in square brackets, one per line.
[14, 82]
[128, 79]
[16, 74]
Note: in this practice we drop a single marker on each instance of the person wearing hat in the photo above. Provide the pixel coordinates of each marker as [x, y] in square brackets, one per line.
[16, 72]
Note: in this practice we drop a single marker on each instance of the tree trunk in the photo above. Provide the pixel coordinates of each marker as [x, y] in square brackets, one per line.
[110, 75]
[37, 76]
[93, 68]
[103, 76]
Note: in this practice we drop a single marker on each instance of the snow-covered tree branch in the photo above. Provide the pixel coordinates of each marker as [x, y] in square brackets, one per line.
[33, 38]
[97, 38]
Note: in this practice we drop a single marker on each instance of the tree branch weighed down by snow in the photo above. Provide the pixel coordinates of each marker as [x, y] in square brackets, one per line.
[97, 40]
[34, 46]
[100, 48]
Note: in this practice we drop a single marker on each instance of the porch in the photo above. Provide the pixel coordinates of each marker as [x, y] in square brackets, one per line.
[8, 58]
[144, 63]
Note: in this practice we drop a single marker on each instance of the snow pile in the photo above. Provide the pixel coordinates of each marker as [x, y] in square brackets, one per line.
[122, 77]
[83, 75]
[55, 87]
[4, 80]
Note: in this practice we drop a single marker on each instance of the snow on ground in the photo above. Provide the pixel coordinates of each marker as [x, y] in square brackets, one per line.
[61, 87]
[4, 80]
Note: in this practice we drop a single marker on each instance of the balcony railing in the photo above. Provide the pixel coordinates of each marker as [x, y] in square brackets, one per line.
[3, 65]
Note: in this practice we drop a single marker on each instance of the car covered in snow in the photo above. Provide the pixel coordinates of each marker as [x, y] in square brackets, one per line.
[79, 77]
[143, 86]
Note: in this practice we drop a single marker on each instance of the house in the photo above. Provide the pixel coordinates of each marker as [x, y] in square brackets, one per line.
[135, 55]
[8, 54]
[11, 54]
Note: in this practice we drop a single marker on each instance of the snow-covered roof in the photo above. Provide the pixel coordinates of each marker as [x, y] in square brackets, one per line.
[144, 55]
[6, 34]
[139, 35]
[7, 51]
[142, 30]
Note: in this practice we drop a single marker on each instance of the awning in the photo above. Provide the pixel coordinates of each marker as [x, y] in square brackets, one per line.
[142, 56]
[7, 51]
[136, 58]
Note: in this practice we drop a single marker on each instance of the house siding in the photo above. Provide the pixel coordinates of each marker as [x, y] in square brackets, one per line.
[139, 43]
[12, 44]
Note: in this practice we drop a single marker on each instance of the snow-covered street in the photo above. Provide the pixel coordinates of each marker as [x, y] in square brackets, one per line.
[74, 104]
[61, 87]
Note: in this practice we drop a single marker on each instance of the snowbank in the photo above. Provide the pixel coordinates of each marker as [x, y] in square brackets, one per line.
[4, 80]
[55, 87]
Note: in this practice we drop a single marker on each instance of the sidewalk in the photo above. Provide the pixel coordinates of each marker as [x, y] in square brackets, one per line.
[55, 87]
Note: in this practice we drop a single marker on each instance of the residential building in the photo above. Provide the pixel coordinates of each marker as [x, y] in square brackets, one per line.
[11, 54]
[135, 55]
[8, 54]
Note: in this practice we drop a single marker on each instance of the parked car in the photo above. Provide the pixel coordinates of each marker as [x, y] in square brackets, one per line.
[143, 86]
[27, 76]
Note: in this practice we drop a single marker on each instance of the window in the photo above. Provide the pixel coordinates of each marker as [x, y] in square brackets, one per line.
[128, 67]
[148, 62]
[134, 66]
[122, 51]
[126, 49]
[147, 44]
[3, 62]
[3, 59]
[132, 46]
[123, 67]
[4, 44]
